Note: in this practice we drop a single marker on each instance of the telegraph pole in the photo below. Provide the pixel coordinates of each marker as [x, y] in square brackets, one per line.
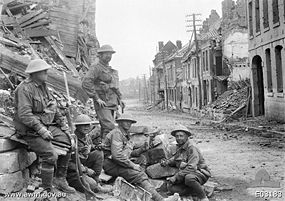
[165, 83]
[194, 20]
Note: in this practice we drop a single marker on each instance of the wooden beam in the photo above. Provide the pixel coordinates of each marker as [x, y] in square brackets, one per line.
[60, 54]
[39, 32]
[18, 64]
[29, 16]
[34, 19]
[37, 24]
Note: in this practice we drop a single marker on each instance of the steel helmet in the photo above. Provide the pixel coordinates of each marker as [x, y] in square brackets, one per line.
[84, 119]
[125, 117]
[180, 128]
[106, 48]
[36, 66]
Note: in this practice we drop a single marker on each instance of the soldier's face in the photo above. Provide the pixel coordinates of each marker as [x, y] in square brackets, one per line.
[106, 57]
[41, 76]
[126, 125]
[85, 129]
[181, 137]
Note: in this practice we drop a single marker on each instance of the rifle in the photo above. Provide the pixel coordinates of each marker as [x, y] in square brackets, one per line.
[89, 194]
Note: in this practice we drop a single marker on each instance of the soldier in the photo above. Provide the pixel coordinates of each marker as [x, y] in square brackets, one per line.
[117, 161]
[38, 121]
[91, 159]
[101, 83]
[193, 172]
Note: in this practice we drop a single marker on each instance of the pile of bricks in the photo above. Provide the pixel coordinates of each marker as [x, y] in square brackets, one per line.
[227, 103]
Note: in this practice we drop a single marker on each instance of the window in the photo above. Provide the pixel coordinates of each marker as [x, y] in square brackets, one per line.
[250, 18]
[275, 11]
[265, 14]
[279, 73]
[257, 16]
[268, 69]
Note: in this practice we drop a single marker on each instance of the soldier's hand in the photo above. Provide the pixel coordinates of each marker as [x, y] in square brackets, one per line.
[183, 165]
[164, 163]
[45, 134]
[137, 167]
[101, 103]
[89, 171]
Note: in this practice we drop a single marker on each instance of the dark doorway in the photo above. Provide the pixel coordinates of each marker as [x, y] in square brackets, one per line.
[258, 86]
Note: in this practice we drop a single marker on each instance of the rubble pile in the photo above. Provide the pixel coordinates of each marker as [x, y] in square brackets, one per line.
[227, 103]
[29, 30]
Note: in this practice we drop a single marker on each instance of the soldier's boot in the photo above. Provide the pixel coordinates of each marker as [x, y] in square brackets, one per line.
[60, 175]
[61, 184]
[155, 195]
[47, 171]
[104, 189]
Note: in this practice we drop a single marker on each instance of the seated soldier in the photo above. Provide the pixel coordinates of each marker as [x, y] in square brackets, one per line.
[117, 163]
[193, 172]
[39, 121]
[91, 159]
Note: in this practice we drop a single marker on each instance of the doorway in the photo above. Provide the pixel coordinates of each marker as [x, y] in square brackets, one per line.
[258, 86]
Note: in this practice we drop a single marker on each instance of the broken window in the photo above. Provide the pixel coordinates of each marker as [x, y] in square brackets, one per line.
[275, 11]
[257, 16]
[265, 14]
[250, 18]
[279, 73]
[269, 70]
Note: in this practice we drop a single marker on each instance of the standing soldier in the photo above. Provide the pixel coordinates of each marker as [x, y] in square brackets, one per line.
[38, 121]
[117, 163]
[101, 83]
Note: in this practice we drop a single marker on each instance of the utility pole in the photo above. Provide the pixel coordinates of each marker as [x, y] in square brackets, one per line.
[145, 89]
[150, 86]
[194, 20]
[165, 83]
[139, 88]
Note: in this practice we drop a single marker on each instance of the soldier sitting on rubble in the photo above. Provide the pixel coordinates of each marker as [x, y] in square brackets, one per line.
[91, 158]
[39, 121]
[193, 172]
[117, 163]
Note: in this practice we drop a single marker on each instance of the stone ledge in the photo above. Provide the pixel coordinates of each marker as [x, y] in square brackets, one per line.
[16, 160]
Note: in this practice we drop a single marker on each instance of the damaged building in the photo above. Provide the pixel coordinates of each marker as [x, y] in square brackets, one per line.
[62, 33]
[267, 57]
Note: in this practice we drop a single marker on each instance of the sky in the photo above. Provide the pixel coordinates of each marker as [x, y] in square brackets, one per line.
[134, 27]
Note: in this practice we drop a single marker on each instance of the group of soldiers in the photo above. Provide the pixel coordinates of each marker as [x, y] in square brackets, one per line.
[41, 123]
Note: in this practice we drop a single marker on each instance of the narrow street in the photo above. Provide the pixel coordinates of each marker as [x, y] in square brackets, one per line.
[233, 156]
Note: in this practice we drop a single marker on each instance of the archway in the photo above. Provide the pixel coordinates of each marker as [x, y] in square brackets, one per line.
[258, 86]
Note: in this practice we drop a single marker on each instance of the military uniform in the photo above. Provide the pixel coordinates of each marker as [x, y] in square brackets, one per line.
[92, 84]
[90, 158]
[117, 160]
[36, 110]
[195, 171]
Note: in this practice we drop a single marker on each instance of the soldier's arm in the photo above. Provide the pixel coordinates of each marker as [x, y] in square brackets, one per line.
[192, 161]
[25, 114]
[88, 82]
[117, 151]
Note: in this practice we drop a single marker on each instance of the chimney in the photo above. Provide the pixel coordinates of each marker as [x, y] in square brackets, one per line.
[160, 45]
[179, 44]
